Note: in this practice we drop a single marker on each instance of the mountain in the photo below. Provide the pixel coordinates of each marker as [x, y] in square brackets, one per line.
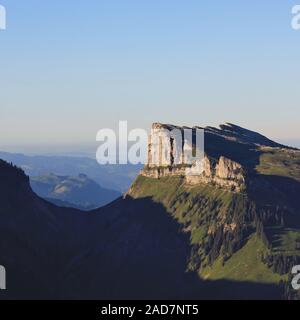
[115, 177]
[230, 231]
[242, 211]
[78, 192]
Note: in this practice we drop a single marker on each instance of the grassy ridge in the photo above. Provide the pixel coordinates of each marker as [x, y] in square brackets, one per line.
[201, 210]
[246, 265]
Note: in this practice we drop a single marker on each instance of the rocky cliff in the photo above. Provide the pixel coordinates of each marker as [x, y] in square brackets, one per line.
[172, 153]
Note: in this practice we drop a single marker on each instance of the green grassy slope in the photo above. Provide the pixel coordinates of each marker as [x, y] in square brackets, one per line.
[246, 264]
[202, 211]
[280, 162]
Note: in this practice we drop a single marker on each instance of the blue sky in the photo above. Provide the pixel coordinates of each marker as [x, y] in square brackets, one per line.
[69, 69]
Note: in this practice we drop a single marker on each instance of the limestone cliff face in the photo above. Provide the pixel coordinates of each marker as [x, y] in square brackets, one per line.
[225, 173]
[163, 150]
[167, 156]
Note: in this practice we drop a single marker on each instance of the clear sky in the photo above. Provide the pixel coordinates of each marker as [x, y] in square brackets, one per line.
[69, 68]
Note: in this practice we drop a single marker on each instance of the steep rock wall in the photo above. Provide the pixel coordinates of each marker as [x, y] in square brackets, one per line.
[167, 150]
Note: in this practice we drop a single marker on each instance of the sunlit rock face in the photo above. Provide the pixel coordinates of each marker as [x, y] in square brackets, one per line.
[175, 146]
[227, 169]
[226, 173]
[165, 146]
[172, 152]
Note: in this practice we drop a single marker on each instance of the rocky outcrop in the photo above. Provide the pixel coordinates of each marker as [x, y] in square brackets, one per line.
[174, 146]
[225, 173]
[171, 153]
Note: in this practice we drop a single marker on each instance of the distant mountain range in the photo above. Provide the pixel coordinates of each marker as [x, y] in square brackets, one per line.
[232, 232]
[77, 192]
[115, 177]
